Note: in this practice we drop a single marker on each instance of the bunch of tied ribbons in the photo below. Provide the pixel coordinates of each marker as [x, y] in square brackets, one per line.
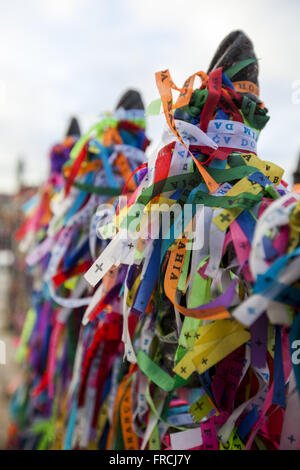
[61, 242]
[210, 297]
[187, 340]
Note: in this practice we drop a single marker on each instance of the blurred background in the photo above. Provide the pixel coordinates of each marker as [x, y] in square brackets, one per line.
[75, 57]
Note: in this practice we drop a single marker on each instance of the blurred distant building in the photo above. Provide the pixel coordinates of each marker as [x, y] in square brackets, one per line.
[21, 283]
[6, 256]
[15, 283]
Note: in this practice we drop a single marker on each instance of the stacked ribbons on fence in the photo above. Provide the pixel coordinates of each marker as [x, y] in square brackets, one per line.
[187, 335]
[60, 238]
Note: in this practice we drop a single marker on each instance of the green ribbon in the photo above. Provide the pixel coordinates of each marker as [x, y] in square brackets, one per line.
[157, 375]
[192, 180]
[236, 68]
[243, 200]
[101, 190]
[254, 115]
[99, 128]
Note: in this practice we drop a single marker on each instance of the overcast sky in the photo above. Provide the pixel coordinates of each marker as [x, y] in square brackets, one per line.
[63, 57]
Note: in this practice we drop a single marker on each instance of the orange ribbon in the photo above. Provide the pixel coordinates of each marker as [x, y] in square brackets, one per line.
[110, 137]
[86, 167]
[129, 437]
[173, 272]
[125, 170]
[165, 86]
[246, 87]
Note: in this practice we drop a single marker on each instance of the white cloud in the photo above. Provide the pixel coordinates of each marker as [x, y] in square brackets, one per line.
[60, 10]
